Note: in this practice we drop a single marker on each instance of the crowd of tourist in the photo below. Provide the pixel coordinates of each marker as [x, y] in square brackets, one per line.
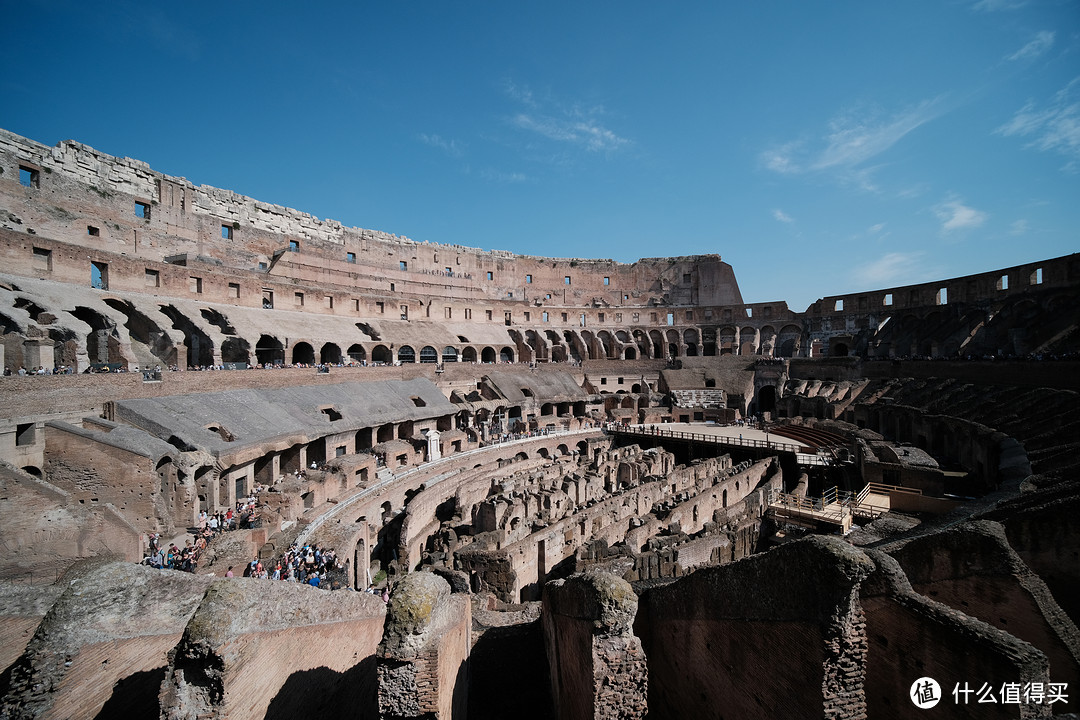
[186, 559]
[307, 565]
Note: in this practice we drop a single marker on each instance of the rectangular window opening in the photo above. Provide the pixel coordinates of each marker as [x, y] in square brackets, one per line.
[99, 275]
[92, 231]
[403, 265]
[24, 434]
[1037, 277]
[528, 279]
[943, 296]
[1003, 282]
[328, 302]
[268, 299]
[294, 246]
[350, 257]
[234, 290]
[566, 280]
[226, 232]
[888, 300]
[142, 210]
[153, 278]
[29, 177]
[195, 284]
[838, 305]
[607, 281]
[490, 275]
[43, 259]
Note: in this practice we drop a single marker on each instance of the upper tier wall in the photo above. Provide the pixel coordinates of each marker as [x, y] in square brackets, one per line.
[74, 193]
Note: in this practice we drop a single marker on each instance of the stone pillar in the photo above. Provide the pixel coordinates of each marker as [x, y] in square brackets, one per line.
[597, 665]
[422, 660]
[434, 449]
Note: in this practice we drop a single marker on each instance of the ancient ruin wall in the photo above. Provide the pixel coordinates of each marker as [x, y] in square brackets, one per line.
[597, 665]
[773, 635]
[972, 568]
[911, 636]
[256, 649]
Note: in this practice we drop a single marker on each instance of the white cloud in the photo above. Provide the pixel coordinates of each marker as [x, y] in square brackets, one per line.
[502, 177]
[450, 147]
[954, 215]
[580, 131]
[851, 140]
[855, 137]
[875, 229]
[782, 216]
[572, 124]
[1019, 227]
[1042, 42]
[1055, 127]
[891, 269]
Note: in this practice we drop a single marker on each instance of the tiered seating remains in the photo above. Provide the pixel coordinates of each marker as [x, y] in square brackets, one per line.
[709, 398]
[812, 438]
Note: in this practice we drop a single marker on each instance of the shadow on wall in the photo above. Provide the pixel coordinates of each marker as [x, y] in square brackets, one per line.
[135, 696]
[525, 693]
[323, 692]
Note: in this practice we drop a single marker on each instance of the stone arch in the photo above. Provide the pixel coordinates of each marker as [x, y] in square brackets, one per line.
[330, 354]
[269, 351]
[303, 353]
[406, 354]
[235, 350]
[788, 341]
[748, 340]
[200, 349]
[766, 342]
[726, 339]
[691, 338]
[429, 354]
[657, 339]
[357, 353]
[141, 329]
[487, 355]
[449, 354]
[381, 354]
[506, 355]
[468, 354]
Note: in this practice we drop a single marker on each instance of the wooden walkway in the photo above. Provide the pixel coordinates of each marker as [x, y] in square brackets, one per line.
[835, 510]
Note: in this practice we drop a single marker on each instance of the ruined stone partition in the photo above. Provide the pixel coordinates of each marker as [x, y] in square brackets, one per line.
[22, 607]
[422, 660]
[911, 636]
[101, 650]
[261, 649]
[972, 568]
[777, 635]
[45, 528]
[597, 665]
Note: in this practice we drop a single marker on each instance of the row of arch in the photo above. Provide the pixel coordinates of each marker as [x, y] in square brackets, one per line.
[577, 345]
[270, 351]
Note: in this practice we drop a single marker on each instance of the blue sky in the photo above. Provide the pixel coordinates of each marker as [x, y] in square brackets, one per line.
[819, 148]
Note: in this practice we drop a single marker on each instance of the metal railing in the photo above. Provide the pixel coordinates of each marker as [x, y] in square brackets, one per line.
[706, 437]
